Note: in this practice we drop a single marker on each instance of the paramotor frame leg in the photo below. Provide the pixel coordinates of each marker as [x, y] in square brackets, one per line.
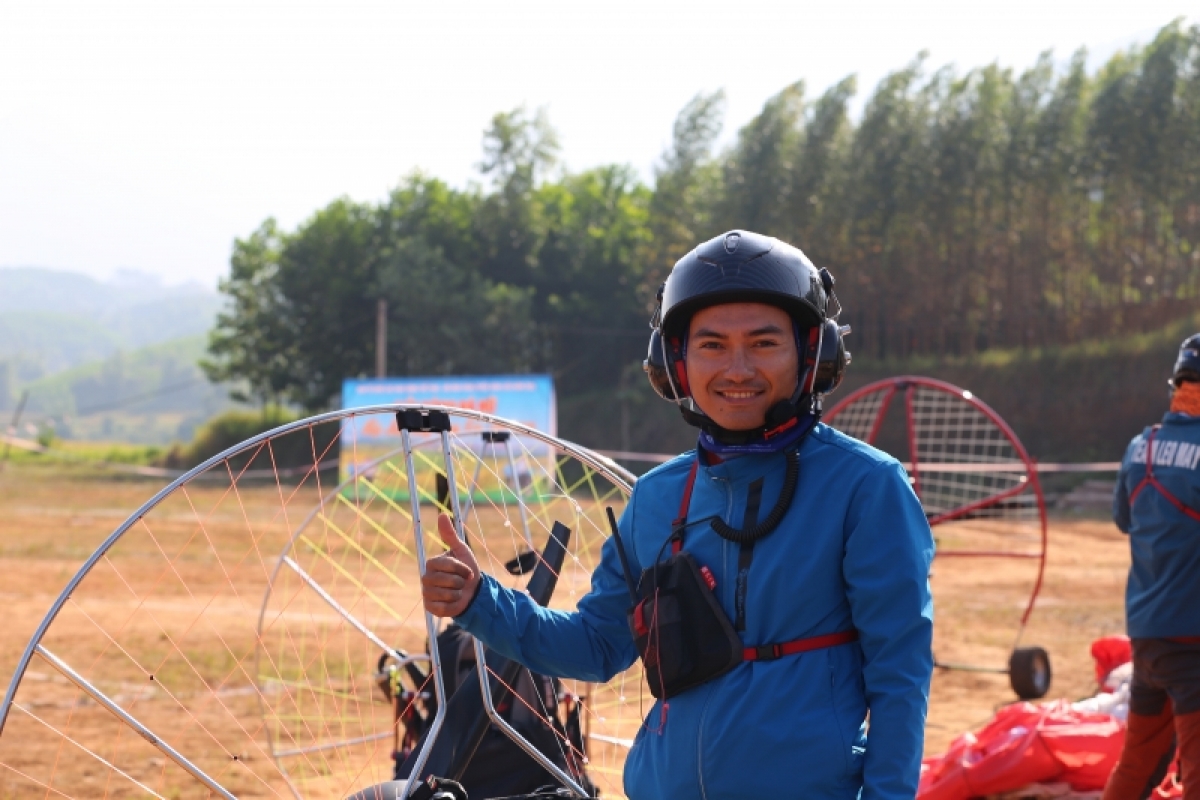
[431, 627]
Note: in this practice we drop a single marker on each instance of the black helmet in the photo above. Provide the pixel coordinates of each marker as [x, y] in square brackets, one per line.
[1187, 364]
[745, 267]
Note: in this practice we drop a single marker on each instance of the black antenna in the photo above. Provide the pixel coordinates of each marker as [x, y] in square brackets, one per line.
[612, 521]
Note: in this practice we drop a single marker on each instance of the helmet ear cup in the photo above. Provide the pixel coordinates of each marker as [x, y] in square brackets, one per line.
[809, 360]
[655, 367]
[832, 359]
[665, 369]
[675, 356]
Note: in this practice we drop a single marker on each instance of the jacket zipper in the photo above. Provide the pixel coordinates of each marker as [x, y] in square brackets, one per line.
[729, 585]
[708, 700]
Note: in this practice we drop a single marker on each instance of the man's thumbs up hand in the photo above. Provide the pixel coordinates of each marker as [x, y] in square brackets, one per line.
[451, 579]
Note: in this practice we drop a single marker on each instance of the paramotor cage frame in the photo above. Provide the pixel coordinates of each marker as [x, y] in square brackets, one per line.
[621, 478]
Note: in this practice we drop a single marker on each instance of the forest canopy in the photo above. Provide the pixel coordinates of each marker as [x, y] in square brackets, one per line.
[961, 212]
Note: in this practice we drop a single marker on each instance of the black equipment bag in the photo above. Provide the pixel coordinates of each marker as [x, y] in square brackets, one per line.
[500, 767]
[682, 634]
[476, 753]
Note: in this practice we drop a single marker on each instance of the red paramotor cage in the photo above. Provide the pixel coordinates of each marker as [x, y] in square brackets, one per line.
[965, 464]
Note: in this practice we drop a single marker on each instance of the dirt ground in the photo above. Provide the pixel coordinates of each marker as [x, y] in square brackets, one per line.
[50, 521]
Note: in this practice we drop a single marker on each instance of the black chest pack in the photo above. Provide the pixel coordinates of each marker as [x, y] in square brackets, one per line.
[682, 633]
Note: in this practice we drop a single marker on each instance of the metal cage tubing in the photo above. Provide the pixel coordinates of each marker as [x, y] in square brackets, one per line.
[439, 685]
[485, 683]
[485, 686]
[518, 493]
[512, 469]
[112, 707]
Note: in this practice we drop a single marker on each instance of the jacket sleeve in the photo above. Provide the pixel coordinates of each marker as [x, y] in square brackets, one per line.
[592, 643]
[888, 552]
[1121, 509]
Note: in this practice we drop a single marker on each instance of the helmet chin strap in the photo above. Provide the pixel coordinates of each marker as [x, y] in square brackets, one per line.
[785, 422]
[722, 442]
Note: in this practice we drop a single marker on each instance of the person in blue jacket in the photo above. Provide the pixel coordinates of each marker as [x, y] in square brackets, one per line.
[1157, 502]
[813, 543]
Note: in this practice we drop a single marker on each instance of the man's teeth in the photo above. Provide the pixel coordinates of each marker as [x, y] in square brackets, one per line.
[739, 395]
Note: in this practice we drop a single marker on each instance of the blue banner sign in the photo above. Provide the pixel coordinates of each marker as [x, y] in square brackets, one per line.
[527, 399]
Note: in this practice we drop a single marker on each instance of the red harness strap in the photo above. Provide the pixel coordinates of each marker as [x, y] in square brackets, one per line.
[680, 523]
[1153, 481]
[764, 652]
[770, 652]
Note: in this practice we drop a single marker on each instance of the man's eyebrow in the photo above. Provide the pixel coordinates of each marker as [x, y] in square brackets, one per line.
[765, 330]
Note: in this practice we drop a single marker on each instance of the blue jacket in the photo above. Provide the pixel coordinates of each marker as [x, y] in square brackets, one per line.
[1162, 597]
[852, 553]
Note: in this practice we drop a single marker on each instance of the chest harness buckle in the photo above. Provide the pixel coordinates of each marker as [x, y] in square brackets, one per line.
[1150, 480]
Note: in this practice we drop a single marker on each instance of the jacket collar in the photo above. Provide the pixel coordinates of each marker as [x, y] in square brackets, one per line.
[744, 466]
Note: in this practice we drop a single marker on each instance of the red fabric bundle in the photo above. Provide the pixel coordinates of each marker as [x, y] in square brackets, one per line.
[1109, 653]
[1026, 744]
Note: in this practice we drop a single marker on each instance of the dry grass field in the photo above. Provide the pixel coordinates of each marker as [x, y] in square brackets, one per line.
[208, 645]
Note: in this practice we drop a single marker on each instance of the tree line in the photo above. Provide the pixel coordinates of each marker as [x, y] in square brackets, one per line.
[960, 212]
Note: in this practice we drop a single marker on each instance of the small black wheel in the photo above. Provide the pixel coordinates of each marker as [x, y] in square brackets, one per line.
[1029, 672]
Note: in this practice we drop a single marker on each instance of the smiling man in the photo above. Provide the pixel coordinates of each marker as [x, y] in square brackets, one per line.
[811, 546]
[743, 360]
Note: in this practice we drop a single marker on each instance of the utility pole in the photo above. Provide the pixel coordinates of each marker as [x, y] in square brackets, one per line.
[381, 339]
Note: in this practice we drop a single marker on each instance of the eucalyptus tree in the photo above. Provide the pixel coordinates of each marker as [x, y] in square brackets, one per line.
[815, 205]
[1060, 204]
[755, 183]
[1018, 266]
[686, 178]
[969, 139]
[520, 149]
[888, 175]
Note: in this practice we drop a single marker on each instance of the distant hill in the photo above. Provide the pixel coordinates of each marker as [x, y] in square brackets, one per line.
[152, 395]
[52, 320]
[114, 359]
[41, 289]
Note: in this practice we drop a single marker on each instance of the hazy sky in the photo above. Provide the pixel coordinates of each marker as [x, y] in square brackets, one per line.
[148, 135]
